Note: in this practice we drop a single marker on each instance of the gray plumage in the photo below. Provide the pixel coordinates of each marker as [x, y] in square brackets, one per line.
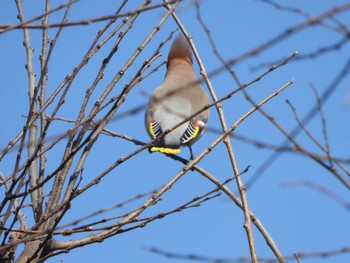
[177, 98]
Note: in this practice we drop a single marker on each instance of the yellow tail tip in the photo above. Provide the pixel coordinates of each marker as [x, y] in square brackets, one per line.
[165, 150]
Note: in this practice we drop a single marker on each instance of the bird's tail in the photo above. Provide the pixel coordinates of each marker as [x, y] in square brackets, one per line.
[180, 49]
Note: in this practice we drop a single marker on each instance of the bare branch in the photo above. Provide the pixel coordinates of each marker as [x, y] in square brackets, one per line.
[27, 25]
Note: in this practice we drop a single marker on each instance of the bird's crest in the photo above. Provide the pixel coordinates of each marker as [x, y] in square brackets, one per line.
[180, 49]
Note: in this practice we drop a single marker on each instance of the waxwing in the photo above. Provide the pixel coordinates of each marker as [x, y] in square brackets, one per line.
[177, 98]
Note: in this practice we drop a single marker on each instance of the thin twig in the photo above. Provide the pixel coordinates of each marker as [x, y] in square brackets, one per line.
[26, 25]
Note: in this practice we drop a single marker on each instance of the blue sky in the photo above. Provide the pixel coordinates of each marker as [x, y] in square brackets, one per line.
[298, 218]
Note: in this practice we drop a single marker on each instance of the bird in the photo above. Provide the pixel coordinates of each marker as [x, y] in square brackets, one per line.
[178, 98]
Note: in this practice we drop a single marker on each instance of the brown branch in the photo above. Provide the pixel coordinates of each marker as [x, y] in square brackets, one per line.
[306, 119]
[311, 55]
[326, 148]
[321, 189]
[295, 257]
[140, 222]
[276, 148]
[115, 228]
[26, 25]
[227, 142]
[220, 138]
[303, 150]
[241, 187]
[62, 174]
[289, 32]
[93, 135]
